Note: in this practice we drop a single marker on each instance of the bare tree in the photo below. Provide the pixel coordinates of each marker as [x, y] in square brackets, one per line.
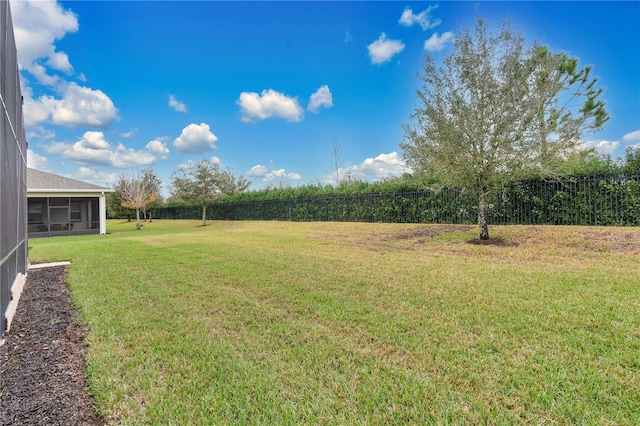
[495, 110]
[337, 159]
[154, 183]
[137, 192]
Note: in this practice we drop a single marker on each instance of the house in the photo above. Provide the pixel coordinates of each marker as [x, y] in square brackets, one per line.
[57, 205]
[13, 166]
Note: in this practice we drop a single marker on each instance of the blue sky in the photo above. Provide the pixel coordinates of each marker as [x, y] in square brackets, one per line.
[266, 88]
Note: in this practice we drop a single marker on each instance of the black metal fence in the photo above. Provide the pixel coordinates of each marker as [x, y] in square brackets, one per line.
[612, 199]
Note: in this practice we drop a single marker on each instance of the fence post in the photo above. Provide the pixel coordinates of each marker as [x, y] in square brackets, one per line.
[595, 199]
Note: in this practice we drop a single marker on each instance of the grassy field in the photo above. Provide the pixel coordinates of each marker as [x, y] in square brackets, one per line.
[354, 323]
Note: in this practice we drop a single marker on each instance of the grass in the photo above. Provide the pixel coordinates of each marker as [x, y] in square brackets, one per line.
[352, 323]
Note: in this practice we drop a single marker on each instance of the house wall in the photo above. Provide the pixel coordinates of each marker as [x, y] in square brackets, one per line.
[13, 175]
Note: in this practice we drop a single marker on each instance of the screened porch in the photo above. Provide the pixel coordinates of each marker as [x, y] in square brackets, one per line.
[54, 216]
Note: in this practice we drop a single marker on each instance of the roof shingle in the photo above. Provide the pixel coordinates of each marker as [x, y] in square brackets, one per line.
[38, 180]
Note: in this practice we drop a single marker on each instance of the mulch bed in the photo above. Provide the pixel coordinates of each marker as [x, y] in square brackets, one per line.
[42, 369]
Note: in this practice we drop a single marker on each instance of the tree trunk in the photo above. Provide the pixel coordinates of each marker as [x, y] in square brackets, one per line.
[482, 213]
[138, 225]
[204, 215]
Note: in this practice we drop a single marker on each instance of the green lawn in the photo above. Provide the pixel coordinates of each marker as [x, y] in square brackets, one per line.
[353, 323]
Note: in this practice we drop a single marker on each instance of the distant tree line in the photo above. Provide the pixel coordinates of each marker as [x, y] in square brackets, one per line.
[195, 183]
[578, 165]
[596, 199]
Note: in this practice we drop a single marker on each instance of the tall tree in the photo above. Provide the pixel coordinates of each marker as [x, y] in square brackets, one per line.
[495, 110]
[203, 183]
[138, 191]
[566, 102]
[337, 159]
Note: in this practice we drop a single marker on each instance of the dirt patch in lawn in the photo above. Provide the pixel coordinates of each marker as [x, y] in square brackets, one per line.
[42, 369]
[426, 232]
[537, 240]
[496, 242]
[607, 241]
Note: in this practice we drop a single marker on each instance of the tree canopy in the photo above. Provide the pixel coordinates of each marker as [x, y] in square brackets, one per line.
[497, 110]
[203, 183]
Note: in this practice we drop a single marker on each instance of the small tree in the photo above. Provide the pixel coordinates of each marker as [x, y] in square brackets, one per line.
[154, 183]
[337, 159]
[496, 110]
[203, 183]
[137, 192]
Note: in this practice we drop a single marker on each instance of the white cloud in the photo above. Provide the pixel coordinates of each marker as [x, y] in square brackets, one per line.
[186, 164]
[129, 134]
[78, 106]
[383, 49]
[257, 171]
[158, 149]
[95, 177]
[602, 147]
[177, 105]
[381, 167]
[60, 61]
[195, 139]
[94, 149]
[34, 112]
[435, 43]
[190, 163]
[408, 18]
[37, 161]
[268, 104]
[40, 73]
[37, 25]
[631, 137]
[321, 98]
[280, 175]
[40, 133]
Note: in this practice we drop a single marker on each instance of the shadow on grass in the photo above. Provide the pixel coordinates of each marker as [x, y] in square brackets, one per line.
[497, 242]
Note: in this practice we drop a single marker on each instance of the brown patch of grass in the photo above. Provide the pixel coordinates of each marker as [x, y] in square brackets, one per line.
[497, 242]
[389, 237]
[432, 231]
[611, 241]
[510, 243]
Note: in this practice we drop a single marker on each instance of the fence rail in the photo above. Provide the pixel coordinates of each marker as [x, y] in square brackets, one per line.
[612, 199]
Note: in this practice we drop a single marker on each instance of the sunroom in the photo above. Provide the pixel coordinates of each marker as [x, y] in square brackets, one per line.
[61, 206]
